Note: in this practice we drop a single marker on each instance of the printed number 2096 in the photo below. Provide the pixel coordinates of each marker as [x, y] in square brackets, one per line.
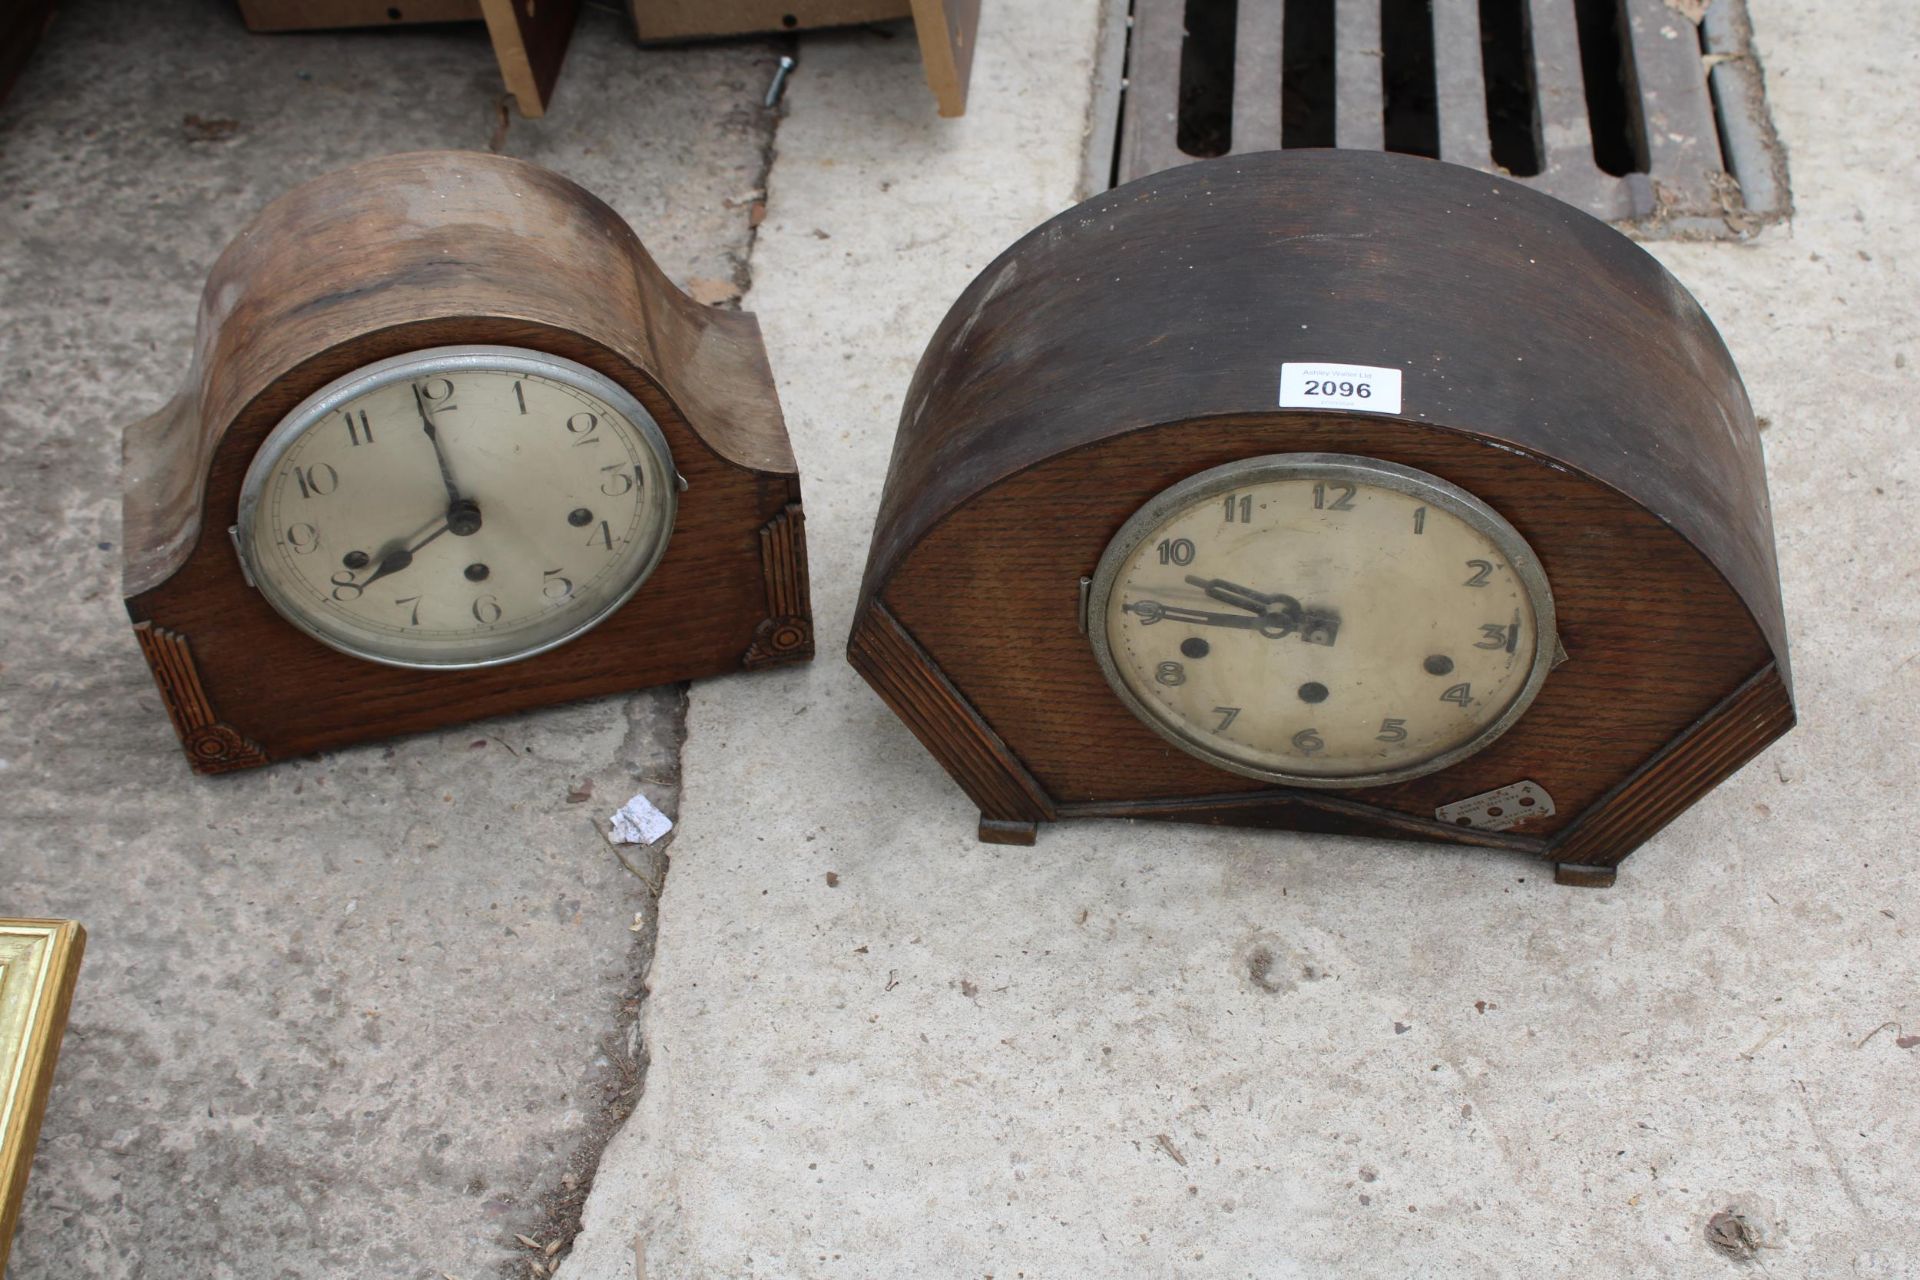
[1321, 387]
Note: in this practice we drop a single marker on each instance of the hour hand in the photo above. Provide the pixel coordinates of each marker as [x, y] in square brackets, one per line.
[1241, 597]
[397, 555]
[1152, 611]
[393, 562]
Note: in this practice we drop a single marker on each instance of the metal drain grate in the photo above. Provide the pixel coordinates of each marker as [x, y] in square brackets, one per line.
[1642, 111]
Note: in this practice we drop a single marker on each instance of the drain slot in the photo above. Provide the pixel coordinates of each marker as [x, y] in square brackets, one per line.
[1206, 78]
[1613, 97]
[1513, 96]
[1306, 74]
[1410, 100]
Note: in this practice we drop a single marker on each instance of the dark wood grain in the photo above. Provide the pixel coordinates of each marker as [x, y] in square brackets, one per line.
[1515, 317]
[1551, 367]
[433, 249]
[940, 716]
[212, 746]
[1654, 637]
[786, 635]
[1692, 765]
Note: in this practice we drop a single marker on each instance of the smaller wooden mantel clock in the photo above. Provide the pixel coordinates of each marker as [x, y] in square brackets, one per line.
[1341, 491]
[452, 446]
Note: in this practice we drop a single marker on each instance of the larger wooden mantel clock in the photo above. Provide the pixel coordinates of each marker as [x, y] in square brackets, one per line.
[451, 446]
[1341, 491]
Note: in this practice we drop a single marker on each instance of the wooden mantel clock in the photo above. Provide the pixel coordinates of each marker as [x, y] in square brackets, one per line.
[452, 446]
[1340, 491]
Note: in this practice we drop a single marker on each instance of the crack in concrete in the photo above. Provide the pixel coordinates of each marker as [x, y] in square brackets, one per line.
[769, 150]
[624, 1048]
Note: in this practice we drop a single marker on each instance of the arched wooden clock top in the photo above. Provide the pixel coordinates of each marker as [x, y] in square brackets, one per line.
[418, 250]
[1511, 316]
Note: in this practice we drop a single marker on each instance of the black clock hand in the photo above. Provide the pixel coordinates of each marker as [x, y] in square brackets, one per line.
[463, 514]
[1231, 592]
[401, 556]
[440, 454]
[1152, 611]
[1245, 597]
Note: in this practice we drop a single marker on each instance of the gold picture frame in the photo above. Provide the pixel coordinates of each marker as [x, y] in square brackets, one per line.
[38, 962]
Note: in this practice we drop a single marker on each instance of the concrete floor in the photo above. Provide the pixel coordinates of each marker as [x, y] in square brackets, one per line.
[951, 1059]
[369, 1013]
[955, 1059]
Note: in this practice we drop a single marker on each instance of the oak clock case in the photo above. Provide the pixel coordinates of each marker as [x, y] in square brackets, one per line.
[1521, 596]
[452, 446]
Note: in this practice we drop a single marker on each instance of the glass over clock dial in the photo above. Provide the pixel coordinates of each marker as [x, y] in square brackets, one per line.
[1322, 620]
[457, 507]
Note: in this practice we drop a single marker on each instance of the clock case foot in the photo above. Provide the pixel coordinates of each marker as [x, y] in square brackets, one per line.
[422, 250]
[1008, 831]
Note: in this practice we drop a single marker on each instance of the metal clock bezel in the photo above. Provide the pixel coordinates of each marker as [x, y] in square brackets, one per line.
[1263, 469]
[446, 360]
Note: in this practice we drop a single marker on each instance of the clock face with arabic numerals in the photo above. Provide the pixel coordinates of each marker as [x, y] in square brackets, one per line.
[1322, 620]
[457, 507]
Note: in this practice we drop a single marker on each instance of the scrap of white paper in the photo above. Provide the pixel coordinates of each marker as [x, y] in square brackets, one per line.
[638, 822]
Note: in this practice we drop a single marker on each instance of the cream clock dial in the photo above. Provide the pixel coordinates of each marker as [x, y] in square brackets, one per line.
[1322, 620]
[457, 507]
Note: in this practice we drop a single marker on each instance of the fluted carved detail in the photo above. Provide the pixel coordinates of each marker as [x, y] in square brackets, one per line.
[1727, 737]
[945, 722]
[211, 747]
[787, 633]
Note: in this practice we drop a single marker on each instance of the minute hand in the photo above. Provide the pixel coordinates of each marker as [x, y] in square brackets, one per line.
[439, 454]
[463, 514]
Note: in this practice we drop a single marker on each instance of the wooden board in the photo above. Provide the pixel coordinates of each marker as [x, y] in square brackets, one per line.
[39, 960]
[1552, 368]
[313, 15]
[530, 39]
[663, 20]
[947, 30]
[424, 250]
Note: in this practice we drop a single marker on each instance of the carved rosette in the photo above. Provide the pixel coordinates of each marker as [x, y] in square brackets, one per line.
[211, 747]
[787, 633]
